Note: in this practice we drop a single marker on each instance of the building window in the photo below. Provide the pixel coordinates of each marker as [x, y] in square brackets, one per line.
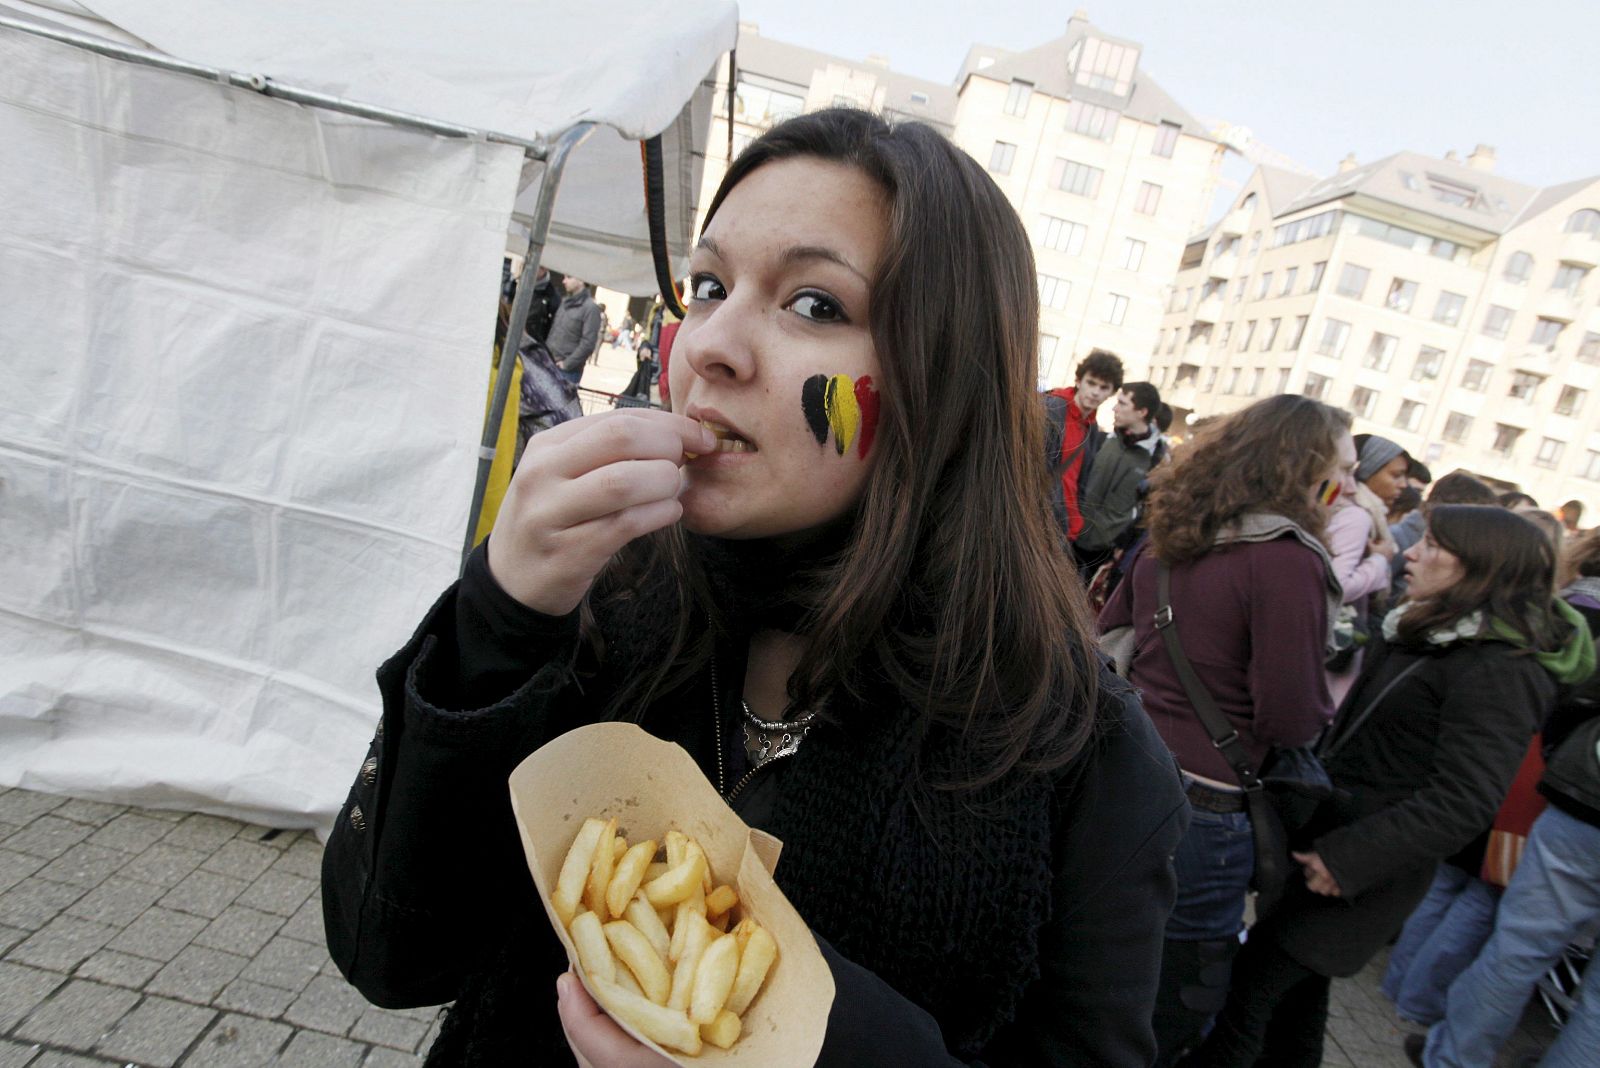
[1505, 438]
[1591, 466]
[1272, 335]
[760, 106]
[1300, 322]
[1065, 236]
[1316, 386]
[1247, 335]
[1283, 380]
[1255, 381]
[1166, 139]
[1091, 120]
[1362, 401]
[1519, 268]
[1079, 178]
[1288, 281]
[1233, 379]
[1453, 193]
[1238, 288]
[919, 98]
[1547, 332]
[1589, 348]
[1352, 281]
[1053, 291]
[1569, 277]
[1132, 254]
[1448, 308]
[1584, 221]
[1248, 202]
[1497, 321]
[1255, 242]
[1047, 354]
[1317, 271]
[1524, 386]
[1211, 379]
[1103, 65]
[1430, 361]
[1265, 287]
[1149, 200]
[1227, 332]
[1116, 308]
[1457, 427]
[1017, 99]
[1002, 156]
[1402, 294]
[1307, 229]
[1476, 377]
[1334, 335]
[1408, 415]
[1571, 400]
[1380, 353]
[1172, 346]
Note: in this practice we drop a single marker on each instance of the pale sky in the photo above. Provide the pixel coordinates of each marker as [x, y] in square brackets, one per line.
[1313, 80]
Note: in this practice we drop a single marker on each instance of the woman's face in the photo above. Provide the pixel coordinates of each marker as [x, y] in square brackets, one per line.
[1390, 479]
[1343, 473]
[1431, 569]
[776, 353]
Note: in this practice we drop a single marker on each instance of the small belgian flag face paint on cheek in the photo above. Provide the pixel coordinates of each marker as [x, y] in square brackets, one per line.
[843, 408]
[1328, 492]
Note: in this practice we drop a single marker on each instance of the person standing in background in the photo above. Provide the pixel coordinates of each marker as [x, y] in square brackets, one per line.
[1073, 437]
[575, 332]
[1457, 487]
[542, 307]
[1108, 497]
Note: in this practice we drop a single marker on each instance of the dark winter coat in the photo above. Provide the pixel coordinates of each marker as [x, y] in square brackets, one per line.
[1109, 493]
[1028, 933]
[542, 308]
[1072, 441]
[575, 333]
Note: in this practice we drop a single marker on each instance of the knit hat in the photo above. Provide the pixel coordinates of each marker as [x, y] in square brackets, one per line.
[1375, 453]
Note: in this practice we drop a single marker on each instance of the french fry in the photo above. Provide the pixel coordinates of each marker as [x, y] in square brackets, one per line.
[698, 935]
[742, 930]
[575, 870]
[641, 915]
[754, 962]
[713, 979]
[693, 905]
[619, 846]
[692, 849]
[676, 885]
[720, 922]
[627, 876]
[668, 1027]
[721, 900]
[594, 952]
[594, 894]
[656, 869]
[674, 843]
[627, 982]
[634, 950]
[723, 1031]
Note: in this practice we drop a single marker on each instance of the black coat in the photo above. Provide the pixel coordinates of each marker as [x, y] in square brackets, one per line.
[427, 897]
[1426, 772]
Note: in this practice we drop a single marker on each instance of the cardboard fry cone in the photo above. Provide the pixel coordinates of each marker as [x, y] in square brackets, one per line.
[651, 787]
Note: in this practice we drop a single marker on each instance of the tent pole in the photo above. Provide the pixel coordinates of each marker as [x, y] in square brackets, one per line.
[538, 231]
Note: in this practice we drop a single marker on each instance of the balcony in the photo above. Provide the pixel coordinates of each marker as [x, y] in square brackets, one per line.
[1224, 264]
[1580, 248]
[1559, 304]
[1195, 349]
[1208, 310]
[1236, 221]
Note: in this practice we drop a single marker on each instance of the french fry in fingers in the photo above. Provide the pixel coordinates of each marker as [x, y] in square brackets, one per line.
[723, 1031]
[594, 894]
[575, 870]
[594, 952]
[677, 884]
[627, 876]
[641, 915]
[669, 1027]
[713, 979]
[640, 958]
[754, 962]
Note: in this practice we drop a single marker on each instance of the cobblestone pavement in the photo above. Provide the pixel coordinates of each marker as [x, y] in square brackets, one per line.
[134, 937]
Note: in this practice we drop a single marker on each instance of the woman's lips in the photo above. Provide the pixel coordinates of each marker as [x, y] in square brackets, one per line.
[727, 440]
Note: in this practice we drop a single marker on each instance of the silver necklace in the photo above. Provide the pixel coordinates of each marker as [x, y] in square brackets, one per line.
[769, 740]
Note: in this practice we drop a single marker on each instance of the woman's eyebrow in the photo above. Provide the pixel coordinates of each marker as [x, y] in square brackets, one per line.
[796, 254]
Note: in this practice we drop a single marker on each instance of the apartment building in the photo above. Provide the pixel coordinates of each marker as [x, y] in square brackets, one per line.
[1109, 174]
[1446, 307]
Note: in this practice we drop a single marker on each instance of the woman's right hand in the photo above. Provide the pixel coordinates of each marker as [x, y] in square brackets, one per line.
[1381, 546]
[582, 491]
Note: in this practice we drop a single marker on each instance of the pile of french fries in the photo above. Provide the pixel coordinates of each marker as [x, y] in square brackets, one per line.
[654, 939]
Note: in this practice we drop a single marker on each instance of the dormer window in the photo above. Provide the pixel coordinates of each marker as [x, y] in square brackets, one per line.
[1102, 65]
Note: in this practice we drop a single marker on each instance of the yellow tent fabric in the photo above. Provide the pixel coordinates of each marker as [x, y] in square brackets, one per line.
[505, 448]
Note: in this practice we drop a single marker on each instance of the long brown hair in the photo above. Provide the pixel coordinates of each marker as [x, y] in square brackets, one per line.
[1264, 458]
[952, 588]
[1579, 559]
[1508, 573]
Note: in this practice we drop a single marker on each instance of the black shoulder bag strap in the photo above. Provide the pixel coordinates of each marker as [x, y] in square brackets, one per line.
[1223, 736]
[1343, 732]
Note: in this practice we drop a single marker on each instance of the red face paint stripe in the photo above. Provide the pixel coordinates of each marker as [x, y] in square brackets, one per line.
[867, 401]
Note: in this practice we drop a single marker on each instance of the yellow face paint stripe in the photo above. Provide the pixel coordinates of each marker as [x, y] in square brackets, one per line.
[844, 414]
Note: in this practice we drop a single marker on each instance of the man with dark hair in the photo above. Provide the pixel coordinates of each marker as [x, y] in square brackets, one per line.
[1073, 437]
[1458, 487]
[1108, 497]
[575, 332]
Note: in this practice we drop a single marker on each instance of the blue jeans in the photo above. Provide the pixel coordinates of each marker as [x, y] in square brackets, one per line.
[1553, 898]
[1439, 941]
[1213, 863]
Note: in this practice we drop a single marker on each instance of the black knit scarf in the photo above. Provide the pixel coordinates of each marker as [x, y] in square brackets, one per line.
[942, 895]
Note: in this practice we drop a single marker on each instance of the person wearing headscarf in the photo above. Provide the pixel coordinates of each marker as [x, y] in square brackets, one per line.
[1362, 548]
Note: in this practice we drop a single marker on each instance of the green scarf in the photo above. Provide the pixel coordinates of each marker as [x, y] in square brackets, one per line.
[1569, 664]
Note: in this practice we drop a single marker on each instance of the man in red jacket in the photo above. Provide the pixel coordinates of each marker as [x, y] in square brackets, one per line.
[1073, 436]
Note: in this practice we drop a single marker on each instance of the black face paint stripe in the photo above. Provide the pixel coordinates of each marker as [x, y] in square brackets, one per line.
[814, 400]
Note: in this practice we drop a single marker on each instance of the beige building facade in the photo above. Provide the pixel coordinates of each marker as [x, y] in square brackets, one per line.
[1109, 174]
[1448, 308]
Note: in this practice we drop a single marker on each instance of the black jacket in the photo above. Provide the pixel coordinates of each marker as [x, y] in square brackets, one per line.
[542, 308]
[427, 896]
[1426, 772]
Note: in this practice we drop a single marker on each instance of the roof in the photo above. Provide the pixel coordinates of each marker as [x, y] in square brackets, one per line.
[1046, 68]
[1554, 196]
[1283, 187]
[796, 65]
[1410, 179]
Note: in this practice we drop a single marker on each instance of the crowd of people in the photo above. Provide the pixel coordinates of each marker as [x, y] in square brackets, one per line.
[1054, 702]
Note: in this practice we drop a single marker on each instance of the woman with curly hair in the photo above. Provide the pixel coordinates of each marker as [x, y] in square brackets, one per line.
[1239, 520]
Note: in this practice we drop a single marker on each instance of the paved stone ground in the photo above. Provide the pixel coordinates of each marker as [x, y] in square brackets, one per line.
[134, 937]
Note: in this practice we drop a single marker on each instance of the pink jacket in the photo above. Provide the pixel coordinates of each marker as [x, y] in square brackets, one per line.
[1359, 572]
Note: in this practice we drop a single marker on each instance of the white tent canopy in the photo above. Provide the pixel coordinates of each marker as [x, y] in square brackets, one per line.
[242, 354]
